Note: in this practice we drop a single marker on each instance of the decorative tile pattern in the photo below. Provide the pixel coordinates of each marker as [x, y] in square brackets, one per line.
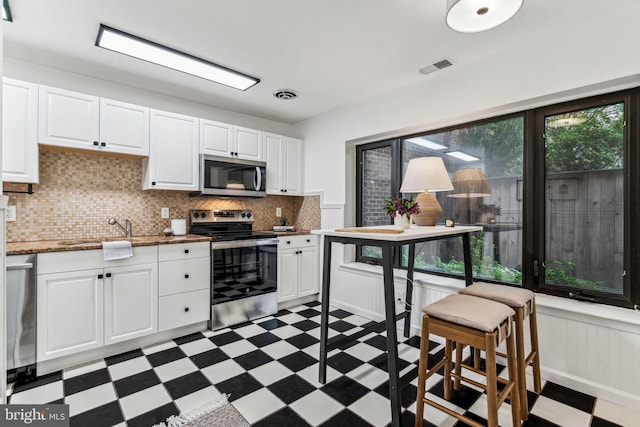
[79, 192]
[273, 383]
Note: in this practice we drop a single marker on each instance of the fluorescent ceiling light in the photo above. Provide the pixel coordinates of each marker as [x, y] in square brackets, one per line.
[128, 44]
[6, 11]
[420, 140]
[462, 156]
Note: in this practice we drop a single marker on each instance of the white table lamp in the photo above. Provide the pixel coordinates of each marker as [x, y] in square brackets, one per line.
[426, 175]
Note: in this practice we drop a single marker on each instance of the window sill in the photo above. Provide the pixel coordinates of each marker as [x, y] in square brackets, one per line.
[599, 314]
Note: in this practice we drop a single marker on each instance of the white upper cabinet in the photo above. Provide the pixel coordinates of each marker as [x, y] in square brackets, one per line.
[221, 139]
[19, 131]
[68, 119]
[124, 128]
[284, 165]
[173, 153]
[75, 120]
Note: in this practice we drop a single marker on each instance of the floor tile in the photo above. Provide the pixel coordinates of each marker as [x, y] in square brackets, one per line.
[269, 373]
[175, 369]
[346, 418]
[88, 380]
[271, 324]
[258, 405]
[238, 348]
[306, 325]
[285, 417]
[345, 390]
[363, 351]
[221, 371]
[286, 331]
[340, 314]
[569, 397]
[615, 413]
[291, 388]
[249, 330]
[154, 416]
[91, 399]
[188, 338]
[298, 361]
[253, 359]
[102, 416]
[40, 381]
[96, 365]
[238, 386]
[159, 347]
[141, 402]
[559, 413]
[198, 346]
[368, 375]
[165, 356]
[186, 384]
[225, 338]
[197, 399]
[263, 339]
[343, 362]
[135, 383]
[129, 367]
[208, 358]
[341, 326]
[302, 341]
[279, 349]
[291, 318]
[316, 407]
[309, 312]
[124, 356]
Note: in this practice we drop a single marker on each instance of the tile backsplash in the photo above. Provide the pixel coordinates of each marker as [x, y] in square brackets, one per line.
[79, 192]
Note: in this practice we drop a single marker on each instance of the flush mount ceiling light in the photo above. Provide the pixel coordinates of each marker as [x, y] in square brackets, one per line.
[472, 16]
[137, 47]
[6, 11]
[420, 140]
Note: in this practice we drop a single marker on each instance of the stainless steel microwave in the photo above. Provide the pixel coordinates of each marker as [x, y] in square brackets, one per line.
[226, 177]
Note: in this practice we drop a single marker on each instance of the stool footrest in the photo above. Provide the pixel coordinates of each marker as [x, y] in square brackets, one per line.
[453, 413]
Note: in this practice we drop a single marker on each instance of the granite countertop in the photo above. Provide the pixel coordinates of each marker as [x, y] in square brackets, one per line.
[19, 248]
[291, 233]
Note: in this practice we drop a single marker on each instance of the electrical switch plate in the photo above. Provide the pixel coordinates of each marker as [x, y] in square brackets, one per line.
[10, 214]
[165, 213]
[278, 212]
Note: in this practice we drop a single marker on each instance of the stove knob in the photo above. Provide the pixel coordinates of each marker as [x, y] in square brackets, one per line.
[243, 214]
[249, 215]
[196, 215]
[204, 214]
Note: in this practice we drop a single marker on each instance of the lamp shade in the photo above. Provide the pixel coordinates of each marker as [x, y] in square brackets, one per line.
[426, 174]
[472, 16]
[470, 183]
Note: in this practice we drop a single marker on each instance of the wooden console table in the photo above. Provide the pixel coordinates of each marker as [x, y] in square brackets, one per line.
[386, 241]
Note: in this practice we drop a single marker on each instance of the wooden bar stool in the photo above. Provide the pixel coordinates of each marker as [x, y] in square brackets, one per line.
[479, 323]
[523, 302]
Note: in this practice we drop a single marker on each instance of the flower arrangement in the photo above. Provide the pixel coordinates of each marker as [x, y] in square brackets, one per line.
[400, 206]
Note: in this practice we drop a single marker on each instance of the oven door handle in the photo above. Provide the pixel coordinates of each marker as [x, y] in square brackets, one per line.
[244, 243]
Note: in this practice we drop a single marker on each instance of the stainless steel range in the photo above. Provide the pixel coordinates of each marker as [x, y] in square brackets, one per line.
[244, 264]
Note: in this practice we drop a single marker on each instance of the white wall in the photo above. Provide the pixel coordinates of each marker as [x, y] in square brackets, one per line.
[595, 353]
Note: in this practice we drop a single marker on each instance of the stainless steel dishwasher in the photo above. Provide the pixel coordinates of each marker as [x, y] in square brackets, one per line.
[21, 316]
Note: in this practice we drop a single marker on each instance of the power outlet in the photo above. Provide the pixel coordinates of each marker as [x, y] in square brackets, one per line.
[278, 211]
[165, 213]
[10, 214]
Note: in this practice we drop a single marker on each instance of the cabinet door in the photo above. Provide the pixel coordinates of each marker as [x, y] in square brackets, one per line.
[248, 143]
[292, 166]
[68, 119]
[124, 128]
[273, 156]
[307, 271]
[19, 131]
[287, 275]
[70, 313]
[173, 154]
[131, 302]
[216, 138]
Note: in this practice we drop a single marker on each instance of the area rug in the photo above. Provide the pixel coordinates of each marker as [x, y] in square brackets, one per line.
[219, 413]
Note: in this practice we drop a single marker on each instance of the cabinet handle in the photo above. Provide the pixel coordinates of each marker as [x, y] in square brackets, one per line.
[186, 276]
[103, 144]
[308, 240]
[186, 309]
[288, 242]
[100, 276]
[95, 143]
[153, 183]
[108, 274]
[186, 251]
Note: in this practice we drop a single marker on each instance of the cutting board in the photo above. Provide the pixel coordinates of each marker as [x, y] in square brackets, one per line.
[370, 230]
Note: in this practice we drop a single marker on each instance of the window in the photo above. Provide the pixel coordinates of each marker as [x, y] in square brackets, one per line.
[552, 189]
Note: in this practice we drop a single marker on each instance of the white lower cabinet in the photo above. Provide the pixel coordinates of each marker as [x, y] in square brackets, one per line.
[85, 302]
[131, 295]
[184, 284]
[70, 313]
[298, 271]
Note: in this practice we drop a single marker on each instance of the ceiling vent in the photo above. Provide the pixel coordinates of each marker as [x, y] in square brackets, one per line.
[285, 94]
[436, 66]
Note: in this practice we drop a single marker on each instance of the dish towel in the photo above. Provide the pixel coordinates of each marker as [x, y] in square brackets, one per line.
[120, 249]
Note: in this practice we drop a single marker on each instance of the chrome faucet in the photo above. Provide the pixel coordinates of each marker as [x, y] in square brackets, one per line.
[127, 229]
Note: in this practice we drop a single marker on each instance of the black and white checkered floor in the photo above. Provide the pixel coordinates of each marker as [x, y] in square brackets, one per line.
[269, 367]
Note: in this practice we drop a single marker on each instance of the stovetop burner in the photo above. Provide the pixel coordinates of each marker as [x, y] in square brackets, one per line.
[225, 225]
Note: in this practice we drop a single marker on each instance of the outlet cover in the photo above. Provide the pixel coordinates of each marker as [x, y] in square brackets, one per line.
[165, 213]
[10, 214]
[278, 211]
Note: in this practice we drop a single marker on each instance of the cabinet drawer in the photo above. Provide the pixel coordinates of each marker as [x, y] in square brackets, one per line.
[183, 251]
[184, 275]
[286, 242]
[60, 262]
[183, 309]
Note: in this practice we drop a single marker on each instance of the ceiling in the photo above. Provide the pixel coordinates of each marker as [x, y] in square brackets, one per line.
[333, 53]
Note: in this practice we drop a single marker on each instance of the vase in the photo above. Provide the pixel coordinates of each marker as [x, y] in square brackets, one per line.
[401, 221]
